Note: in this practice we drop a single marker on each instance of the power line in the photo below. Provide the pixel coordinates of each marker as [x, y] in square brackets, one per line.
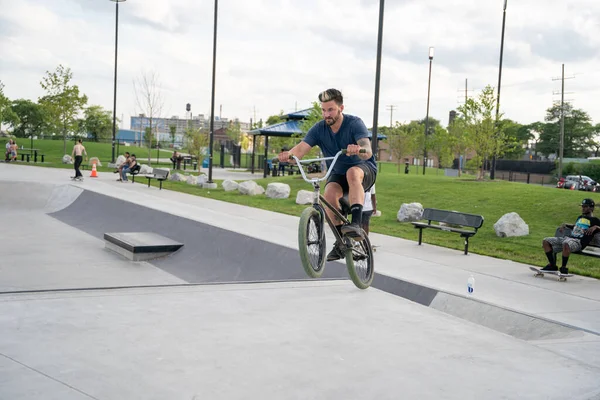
[391, 109]
[562, 120]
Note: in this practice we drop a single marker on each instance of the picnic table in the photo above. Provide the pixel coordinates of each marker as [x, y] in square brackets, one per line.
[28, 153]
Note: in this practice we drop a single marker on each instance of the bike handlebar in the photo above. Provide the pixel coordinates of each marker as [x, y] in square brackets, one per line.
[314, 180]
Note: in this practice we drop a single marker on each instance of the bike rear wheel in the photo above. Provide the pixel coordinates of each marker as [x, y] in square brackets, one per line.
[360, 263]
[311, 242]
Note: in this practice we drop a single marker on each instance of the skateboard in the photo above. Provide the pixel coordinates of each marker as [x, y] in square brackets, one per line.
[80, 179]
[539, 273]
[375, 246]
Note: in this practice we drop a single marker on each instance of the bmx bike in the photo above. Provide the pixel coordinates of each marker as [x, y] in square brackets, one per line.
[357, 252]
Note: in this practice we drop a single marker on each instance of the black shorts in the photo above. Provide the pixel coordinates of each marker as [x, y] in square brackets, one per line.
[368, 180]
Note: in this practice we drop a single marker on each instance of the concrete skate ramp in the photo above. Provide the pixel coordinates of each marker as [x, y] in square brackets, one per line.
[209, 254]
[34, 196]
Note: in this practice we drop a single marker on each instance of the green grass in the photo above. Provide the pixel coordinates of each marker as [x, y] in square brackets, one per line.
[542, 208]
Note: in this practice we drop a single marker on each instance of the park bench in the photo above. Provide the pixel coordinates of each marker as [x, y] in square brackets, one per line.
[134, 171]
[466, 225]
[158, 174]
[592, 249]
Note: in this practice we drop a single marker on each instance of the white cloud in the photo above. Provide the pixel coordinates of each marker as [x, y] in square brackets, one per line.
[274, 54]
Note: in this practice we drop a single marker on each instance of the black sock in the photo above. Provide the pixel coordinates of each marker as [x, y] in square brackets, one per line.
[550, 255]
[356, 211]
[565, 261]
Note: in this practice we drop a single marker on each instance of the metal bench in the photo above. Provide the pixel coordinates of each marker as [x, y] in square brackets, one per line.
[158, 174]
[592, 249]
[466, 225]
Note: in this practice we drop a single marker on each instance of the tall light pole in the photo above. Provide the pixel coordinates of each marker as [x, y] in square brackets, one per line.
[427, 115]
[493, 168]
[374, 141]
[114, 134]
[212, 100]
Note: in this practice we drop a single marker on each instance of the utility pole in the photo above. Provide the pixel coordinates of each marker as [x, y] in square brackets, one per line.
[391, 108]
[562, 120]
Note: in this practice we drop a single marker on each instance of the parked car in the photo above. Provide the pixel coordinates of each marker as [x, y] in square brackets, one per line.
[580, 182]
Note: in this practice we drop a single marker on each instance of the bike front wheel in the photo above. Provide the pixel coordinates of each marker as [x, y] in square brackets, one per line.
[360, 263]
[311, 242]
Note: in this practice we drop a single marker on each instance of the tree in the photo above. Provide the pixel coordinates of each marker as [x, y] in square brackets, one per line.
[578, 130]
[234, 132]
[7, 114]
[516, 138]
[148, 98]
[30, 118]
[439, 144]
[594, 141]
[196, 140]
[97, 123]
[274, 119]
[480, 127]
[457, 140]
[402, 140]
[62, 102]
[172, 132]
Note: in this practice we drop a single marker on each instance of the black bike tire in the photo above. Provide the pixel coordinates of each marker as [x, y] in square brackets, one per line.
[358, 282]
[305, 218]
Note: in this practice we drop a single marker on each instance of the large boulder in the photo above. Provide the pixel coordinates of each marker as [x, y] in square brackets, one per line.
[229, 185]
[304, 197]
[277, 190]
[144, 169]
[250, 188]
[120, 160]
[177, 177]
[202, 179]
[410, 212]
[67, 159]
[192, 180]
[511, 224]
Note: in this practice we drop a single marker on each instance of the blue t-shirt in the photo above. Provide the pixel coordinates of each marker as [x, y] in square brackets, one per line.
[352, 130]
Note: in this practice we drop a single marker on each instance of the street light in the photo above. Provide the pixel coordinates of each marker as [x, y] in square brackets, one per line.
[427, 115]
[114, 135]
[374, 142]
[493, 168]
[212, 100]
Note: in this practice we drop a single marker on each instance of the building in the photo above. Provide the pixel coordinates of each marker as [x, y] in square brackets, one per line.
[162, 125]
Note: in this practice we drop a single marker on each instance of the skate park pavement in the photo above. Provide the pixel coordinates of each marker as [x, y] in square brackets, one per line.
[232, 315]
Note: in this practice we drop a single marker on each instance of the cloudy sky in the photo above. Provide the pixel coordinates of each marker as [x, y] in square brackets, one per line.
[277, 55]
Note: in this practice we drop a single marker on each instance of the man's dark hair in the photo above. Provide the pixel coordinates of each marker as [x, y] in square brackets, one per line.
[331, 94]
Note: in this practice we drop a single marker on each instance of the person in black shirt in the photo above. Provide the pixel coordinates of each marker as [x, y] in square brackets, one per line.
[582, 232]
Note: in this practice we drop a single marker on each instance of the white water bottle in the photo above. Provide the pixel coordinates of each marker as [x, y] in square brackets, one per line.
[470, 285]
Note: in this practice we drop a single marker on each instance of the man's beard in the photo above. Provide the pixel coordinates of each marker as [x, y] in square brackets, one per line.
[332, 121]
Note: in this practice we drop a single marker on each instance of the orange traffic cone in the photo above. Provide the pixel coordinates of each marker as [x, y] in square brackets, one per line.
[94, 172]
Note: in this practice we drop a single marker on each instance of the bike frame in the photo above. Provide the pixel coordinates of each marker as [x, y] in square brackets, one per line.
[318, 199]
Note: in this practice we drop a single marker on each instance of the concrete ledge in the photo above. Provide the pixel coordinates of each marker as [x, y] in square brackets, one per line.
[514, 323]
[140, 246]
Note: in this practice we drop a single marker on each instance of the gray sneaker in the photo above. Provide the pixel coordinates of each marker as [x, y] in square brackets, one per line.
[354, 231]
[335, 253]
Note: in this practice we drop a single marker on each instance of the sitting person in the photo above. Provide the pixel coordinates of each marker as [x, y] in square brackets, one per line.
[176, 160]
[7, 155]
[13, 151]
[126, 168]
[126, 162]
[583, 230]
